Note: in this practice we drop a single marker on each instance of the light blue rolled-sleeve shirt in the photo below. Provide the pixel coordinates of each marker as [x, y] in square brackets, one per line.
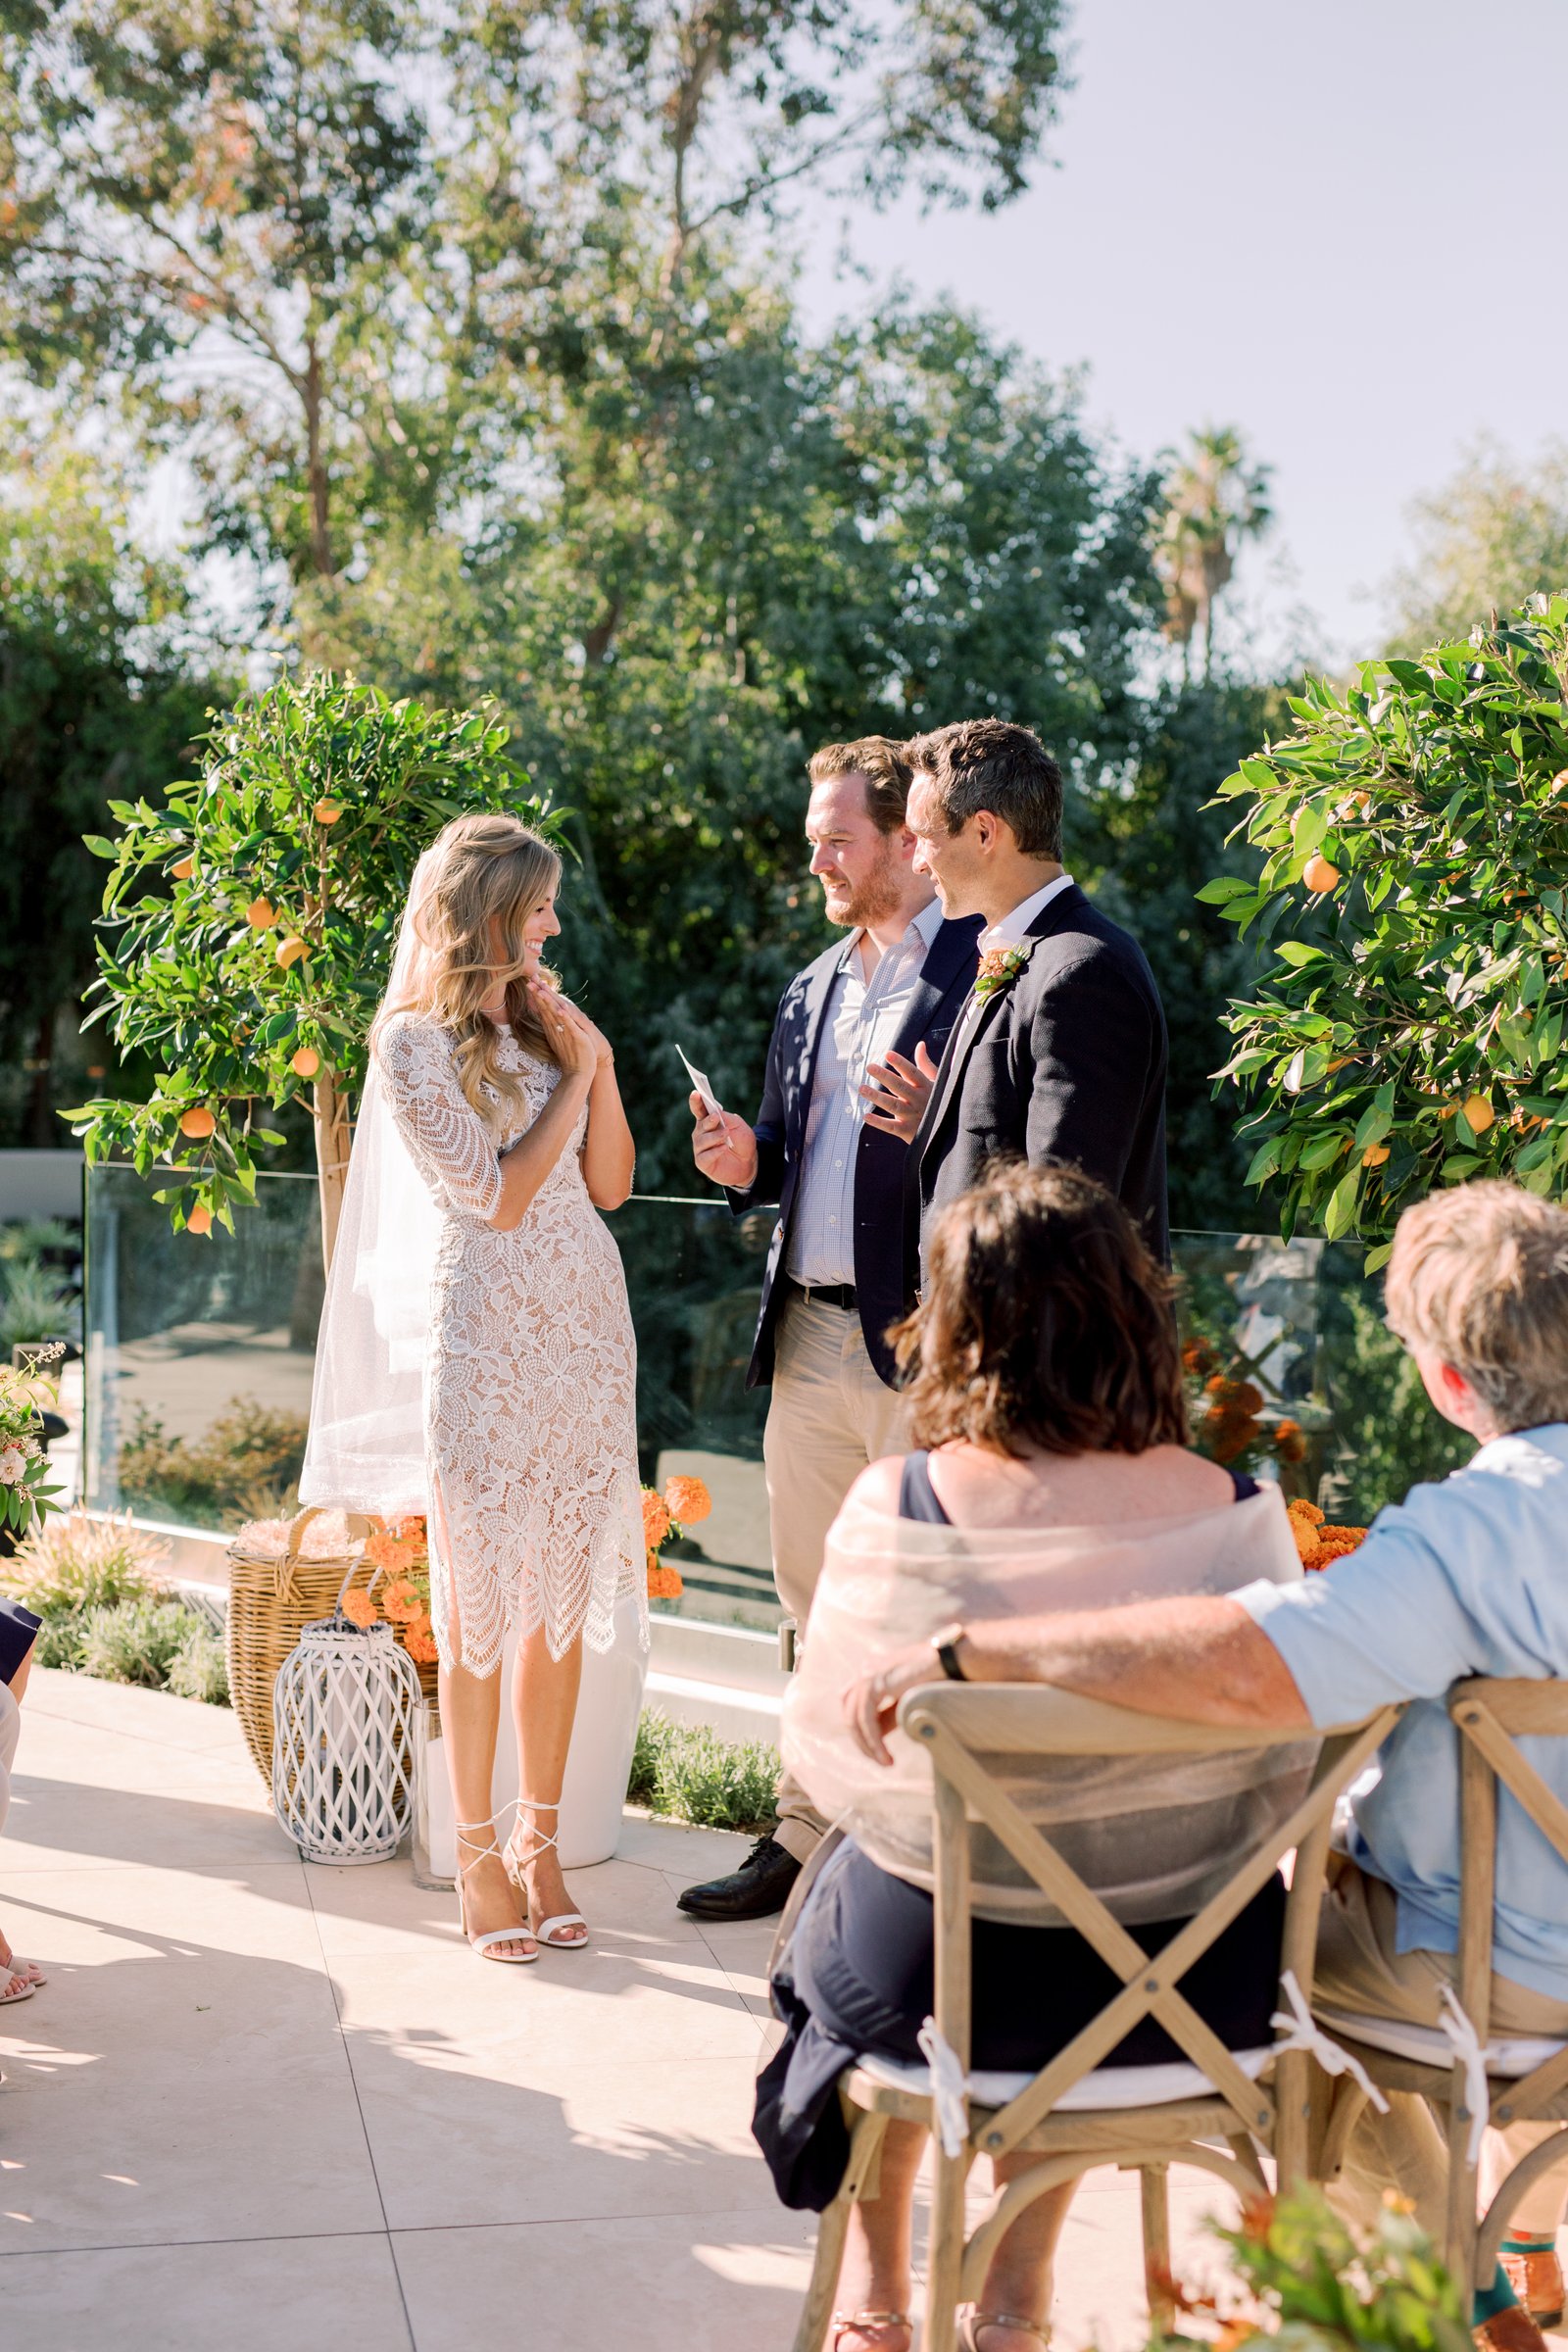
[1466, 1576]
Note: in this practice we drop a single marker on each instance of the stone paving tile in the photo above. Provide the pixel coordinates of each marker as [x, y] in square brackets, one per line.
[254, 2296]
[261, 2102]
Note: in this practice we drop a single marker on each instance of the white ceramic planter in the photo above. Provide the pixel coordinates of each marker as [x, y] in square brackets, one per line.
[597, 1766]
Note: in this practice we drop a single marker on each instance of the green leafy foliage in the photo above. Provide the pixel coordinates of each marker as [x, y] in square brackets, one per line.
[134, 1642]
[1414, 894]
[97, 1584]
[251, 913]
[74, 1564]
[1313, 2284]
[245, 1465]
[97, 697]
[688, 1772]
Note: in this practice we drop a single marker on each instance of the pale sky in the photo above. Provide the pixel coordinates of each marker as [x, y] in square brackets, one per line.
[1337, 226]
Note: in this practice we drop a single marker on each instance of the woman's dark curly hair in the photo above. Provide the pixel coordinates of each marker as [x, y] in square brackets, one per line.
[1045, 1321]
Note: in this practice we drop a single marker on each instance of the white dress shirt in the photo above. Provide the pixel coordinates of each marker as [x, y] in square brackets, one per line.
[1010, 932]
[1013, 927]
[862, 1020]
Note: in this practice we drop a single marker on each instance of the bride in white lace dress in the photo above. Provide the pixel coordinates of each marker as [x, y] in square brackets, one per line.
[504, 1094]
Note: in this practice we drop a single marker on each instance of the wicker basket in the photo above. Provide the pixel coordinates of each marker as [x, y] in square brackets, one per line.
[274, 1593]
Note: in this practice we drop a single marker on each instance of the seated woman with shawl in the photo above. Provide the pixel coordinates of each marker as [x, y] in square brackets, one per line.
[1053, 1473]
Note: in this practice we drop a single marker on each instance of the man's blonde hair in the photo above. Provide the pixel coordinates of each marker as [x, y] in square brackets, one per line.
[1480, 1275]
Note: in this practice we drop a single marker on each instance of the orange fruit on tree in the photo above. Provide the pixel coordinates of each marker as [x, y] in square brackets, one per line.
[1319, 875]
[305, 1062]
[289, 950]
[327, 812]
[1479, 1113]
[183, 871]
[260, 914]
[200, 1220]
[198, 1124]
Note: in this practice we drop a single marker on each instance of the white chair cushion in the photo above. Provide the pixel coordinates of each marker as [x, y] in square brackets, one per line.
[1107, 2086]
[1427, 2045]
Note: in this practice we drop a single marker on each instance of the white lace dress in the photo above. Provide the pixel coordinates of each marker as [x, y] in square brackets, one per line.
[530, 1386]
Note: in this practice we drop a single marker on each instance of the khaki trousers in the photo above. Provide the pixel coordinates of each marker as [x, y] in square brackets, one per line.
[829, 1415]
[1358, 1968]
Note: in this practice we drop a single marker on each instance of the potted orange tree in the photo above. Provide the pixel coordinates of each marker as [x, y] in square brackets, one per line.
[1408, 1027]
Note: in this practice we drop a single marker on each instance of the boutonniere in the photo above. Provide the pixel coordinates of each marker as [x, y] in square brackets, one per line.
[998, 969]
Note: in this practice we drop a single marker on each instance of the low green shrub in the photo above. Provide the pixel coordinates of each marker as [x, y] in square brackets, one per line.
[689, 1773]
[71, 1563]
[246, 1465]
[105, 1610]
[36, 1303]
[199, 1667]
[133, 1641]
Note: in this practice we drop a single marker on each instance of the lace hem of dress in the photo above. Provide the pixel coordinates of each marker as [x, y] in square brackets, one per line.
[571, 1586]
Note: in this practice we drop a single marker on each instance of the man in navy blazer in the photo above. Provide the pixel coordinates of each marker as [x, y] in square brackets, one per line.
[855, 1048]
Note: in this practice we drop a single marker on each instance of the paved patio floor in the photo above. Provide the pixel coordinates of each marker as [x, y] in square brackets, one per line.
[263, 2104]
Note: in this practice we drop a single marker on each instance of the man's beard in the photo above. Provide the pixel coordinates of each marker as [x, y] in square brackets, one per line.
[871, 901]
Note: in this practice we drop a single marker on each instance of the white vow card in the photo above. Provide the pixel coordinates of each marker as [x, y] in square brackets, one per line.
[701, 1085]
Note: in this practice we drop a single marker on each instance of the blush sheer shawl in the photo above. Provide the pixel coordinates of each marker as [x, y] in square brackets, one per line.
[1154, 1836]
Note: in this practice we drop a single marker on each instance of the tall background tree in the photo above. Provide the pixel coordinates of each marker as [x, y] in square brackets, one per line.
[98, 697]
[467, 333]
[1493, 536]
[1216, 498]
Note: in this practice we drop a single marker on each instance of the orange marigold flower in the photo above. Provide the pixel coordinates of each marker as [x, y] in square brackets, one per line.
[1300, 1508]
[1290, 1440]
[663, 1580]
[421, 1647]
[359, 1609]
[402, 1600]
[392, 1554]
[656, 1519]
[688, 1501]
[1199, 1357]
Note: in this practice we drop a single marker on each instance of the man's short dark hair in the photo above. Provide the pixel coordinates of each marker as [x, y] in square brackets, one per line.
[885, 766]
[991, 763]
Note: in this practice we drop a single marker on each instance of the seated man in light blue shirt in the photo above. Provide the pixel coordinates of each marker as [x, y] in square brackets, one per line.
[1468, 1577]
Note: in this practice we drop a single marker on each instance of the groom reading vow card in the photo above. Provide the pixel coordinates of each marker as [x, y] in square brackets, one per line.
[855, 1049]
[1059, 1052]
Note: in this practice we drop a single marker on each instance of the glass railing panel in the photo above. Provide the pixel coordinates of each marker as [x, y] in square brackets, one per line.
[199, 1352]
[200, 1355]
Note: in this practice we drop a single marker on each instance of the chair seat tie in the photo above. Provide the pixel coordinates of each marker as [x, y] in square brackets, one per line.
[1299, 2030]
[949, 2089]
[1465, 2042]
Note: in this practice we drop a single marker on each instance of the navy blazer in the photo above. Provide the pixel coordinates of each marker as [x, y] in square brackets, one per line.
[1067, 1062]
[884, 1254]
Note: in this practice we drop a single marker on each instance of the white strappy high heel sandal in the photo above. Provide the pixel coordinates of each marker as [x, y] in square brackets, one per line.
[517, 1863]
[485, 1945]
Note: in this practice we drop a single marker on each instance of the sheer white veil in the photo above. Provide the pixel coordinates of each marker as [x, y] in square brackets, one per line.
[366, 1450]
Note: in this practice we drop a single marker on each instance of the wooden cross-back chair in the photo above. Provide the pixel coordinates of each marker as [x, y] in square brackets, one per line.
[1517, 2081]
[1074, 2112]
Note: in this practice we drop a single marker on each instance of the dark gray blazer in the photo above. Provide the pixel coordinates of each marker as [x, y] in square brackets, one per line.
[884, 1241]
[1067, 1062]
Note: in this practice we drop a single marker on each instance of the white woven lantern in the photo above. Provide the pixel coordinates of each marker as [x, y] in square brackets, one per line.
[343, 1711]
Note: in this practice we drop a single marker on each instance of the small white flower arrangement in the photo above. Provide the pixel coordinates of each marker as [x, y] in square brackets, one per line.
[23, 1465]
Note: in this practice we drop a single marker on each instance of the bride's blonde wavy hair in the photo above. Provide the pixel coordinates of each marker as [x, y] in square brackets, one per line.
[492, 872]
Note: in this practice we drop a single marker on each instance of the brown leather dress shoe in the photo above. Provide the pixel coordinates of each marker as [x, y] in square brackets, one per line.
[1510, 2330]
[1537, 2280]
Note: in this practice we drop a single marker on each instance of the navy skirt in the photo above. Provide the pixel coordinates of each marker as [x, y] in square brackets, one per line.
[856, 1979]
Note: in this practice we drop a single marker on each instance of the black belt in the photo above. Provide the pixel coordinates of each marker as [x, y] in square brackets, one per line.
[826, 1294]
